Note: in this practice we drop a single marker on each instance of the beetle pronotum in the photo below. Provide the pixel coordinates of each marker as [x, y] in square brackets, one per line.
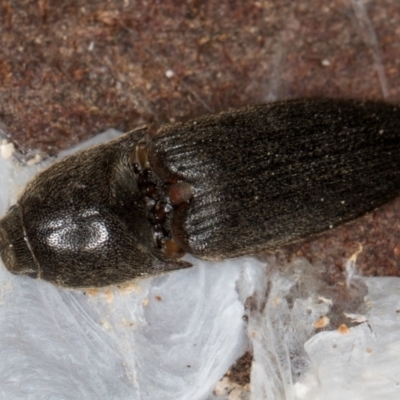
[218, 186]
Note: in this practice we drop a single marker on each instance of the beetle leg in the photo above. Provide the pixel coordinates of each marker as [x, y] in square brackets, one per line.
[180, 192]
[139, 155]
[172, 249]
[161, 199]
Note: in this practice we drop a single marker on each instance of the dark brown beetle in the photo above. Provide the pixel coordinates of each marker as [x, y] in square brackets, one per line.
[218, 186]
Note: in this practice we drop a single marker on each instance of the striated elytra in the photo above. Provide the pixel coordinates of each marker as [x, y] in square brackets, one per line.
[218, 186]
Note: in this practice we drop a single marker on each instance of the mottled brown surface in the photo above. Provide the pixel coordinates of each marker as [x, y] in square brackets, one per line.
[70, 70]
[78, 68]
[240, 371]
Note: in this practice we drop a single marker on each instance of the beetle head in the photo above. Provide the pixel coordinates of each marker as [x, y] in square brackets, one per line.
[14, 248]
